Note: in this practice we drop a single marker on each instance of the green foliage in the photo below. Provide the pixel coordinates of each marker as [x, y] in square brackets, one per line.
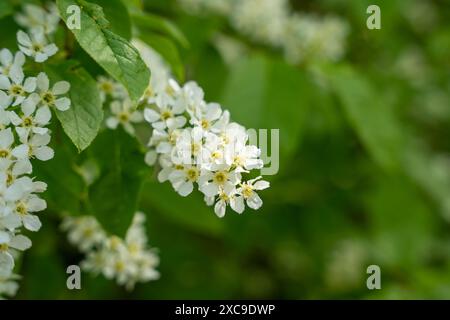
[83, 120]
[364, 175]
[6, 8]
[114, 53]
[166, 48]
[117, 15]
[114, 196]
[265, 93]
[66, 188]
[372, 118]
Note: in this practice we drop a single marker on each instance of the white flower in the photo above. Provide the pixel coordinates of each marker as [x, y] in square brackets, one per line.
[4, 119]
[247, 190]
[35, 44]
[164, 141]
[37, 17]
[7, 150]
[8, 242]
[37, 146]
[211, 183]
[189, 146]
[165, 116]
[190, 97]
[10, 65]
[84, 232]
[227, 196]
[196, 146]
[183, 180]
[167, 168]
[8, 285]
[126, 260]
[262, 20]
[206, 116]
[110, 88]
[124, 113]
[31, 120]
[21, 213]
[17, 90]
[50, 97]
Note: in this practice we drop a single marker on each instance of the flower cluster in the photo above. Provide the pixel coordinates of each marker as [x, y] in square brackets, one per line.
[127, 260]
[302, 37]
[193, 141]
[8, 286]
[25, 113]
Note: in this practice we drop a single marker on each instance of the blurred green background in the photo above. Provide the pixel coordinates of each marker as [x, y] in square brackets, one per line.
[364, 175]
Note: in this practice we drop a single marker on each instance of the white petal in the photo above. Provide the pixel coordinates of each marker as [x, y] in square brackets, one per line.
[62, 104]
[20, 242]
[30, 84]
[151, 115]
[237, 204]
[6, 138]
[4, 237]
[40, 57]
[22, 167]
[163, 147]
[185, 189]
[61, 87]
[5, 84]
[21, 151]
[16, 73]
[254, 201]
[23, 39]
[112, 122]
[6, 57]
[11, 221]
[220, 208]
[5, 100]
[31, 222]
[6, 264]
[43, 82]
[44, 153]
[261, 185]
[29, 105]
[43, 116]
[150, 157]
[15, 119]
[19, 59]
[36, 204]
[210, 189]
[51, 49]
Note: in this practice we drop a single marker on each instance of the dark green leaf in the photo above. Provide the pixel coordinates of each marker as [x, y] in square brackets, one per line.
[82, 121]
[113, 197]
[111, 51]
[167, 49]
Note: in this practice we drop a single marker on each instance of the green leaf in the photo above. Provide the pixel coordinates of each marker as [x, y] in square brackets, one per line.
[401, 221]
[190, 212]
[66, 187]
[113, 197]
[111, 51]
[117, 15]
[6, 8]
[373, 120]
[159, 25]
[167, 49]
[268, 94]
[83, 120]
